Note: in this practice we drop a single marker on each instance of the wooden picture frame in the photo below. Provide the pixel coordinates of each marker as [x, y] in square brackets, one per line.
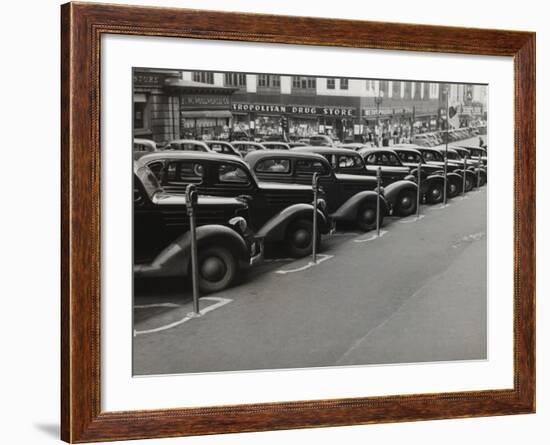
[82, 26]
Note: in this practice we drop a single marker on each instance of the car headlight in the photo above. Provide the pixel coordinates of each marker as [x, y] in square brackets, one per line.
[239, 224]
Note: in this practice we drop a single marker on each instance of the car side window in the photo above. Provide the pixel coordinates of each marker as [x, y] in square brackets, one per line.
[156, 168]
[273, 166]
[371, 159]
[232, 174]
[188, 172]
[349, 161]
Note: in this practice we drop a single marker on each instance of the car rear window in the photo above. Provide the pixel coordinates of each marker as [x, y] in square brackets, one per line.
[189, 172]
[273, 166]
[232, 174]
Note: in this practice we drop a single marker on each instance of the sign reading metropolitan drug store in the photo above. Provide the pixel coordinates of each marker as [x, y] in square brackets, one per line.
[293, 109]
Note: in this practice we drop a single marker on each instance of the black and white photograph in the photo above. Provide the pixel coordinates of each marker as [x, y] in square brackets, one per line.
[285, 221]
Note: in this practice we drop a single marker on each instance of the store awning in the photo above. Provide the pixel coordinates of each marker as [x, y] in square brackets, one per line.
[222, 114]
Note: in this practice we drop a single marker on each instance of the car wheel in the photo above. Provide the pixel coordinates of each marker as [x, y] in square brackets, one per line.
[453, 188]
[299, 237]
[366, 216]
[406, 203]
[218, 268]
[469, 183]
[435, 193]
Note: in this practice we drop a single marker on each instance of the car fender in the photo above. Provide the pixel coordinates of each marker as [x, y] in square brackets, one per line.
[460, 172]
[348, 210]
[275, 229]
[174, 260]
[392, 191]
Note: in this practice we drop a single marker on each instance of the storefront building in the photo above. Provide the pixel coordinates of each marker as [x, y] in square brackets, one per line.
[167, 107]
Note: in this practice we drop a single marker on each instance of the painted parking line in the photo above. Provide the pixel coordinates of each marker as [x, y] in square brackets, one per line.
[219, 303]
[411, 219]
[439, 207]
[147, 306]
[320, 259]
[371, 238]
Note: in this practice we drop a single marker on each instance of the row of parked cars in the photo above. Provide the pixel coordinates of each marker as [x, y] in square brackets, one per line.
[254, 196]
[435, 138]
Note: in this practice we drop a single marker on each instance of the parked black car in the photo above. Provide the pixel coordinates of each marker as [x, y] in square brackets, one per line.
[432, 176]
[279, 213]
[400, 195]
[434, 156]
[223, 147]
[162, 241]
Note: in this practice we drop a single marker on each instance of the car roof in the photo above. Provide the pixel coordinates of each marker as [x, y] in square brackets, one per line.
[188, 156]
[324, 150]
[411, 148]
[255, 156]
[217, 142]
[185, 141]
[247, 143]
[442, 149]
[274, 143]
[369, 150]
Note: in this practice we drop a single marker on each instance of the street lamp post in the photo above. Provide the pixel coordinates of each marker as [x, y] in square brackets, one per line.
[446, 93]
[378, 101]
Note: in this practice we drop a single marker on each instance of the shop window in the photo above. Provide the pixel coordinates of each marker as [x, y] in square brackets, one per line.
[235, 79]
[233, 174]
[344, 83]
[186, 172]
[139, 115]
[304, 83]
[204, 77]
[331, 84]
[273, 166]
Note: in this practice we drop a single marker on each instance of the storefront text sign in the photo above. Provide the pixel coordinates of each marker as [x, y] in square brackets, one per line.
[294, 109]
[204, 100]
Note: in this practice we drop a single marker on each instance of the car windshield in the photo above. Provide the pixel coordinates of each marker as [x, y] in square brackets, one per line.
[188, 146]
[149, 181]
[453, 155]
[432, 156]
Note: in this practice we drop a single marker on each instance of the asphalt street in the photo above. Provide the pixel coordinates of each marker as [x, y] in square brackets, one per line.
[416, 294]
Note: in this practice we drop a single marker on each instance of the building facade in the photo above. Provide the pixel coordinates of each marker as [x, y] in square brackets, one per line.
[205, 104]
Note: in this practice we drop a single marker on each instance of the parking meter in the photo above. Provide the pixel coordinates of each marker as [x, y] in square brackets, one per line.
[191, 200]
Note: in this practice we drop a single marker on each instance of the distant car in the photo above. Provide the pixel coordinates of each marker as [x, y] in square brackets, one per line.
[473, 163]
[279, 213]
[321, 140]
[349, 169]
[186, 145]
[476, 152]
[431, 176]
[435, 156]
[294, 144]
[144, 145]
[245, 147]
[223, 147]
[270, 145]
[162, 243]
[355, 146]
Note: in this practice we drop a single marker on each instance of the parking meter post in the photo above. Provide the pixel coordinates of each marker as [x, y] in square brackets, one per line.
[464, 178]
[478, 170]
[315, 185]
[445, 180]
[191, 198]
[378, 184]
[418, 191]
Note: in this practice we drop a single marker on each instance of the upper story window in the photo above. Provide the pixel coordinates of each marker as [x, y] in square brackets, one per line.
[269, 81]
[304, 82]
[418, 90]
[396, 89]
[384, 88]
[235, 79]
[434, 90]
[331, 84]
[344, 83]
[203, 77]
[370, 85]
